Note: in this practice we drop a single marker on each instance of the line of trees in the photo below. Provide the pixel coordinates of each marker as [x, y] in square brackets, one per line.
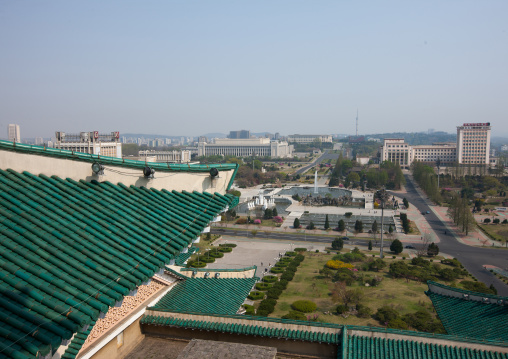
[426, 178]
[460, 213]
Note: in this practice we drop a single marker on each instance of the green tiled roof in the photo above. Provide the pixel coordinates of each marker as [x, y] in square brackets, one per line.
[367, 347]
[77, 343]
[207, 295]
[69, 250]
[470, 318]
[245, 329]
[85, 157]
[182, 257]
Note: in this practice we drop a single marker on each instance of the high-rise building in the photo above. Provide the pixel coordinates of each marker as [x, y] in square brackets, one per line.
[473, 143]
[242, 134]
[13, 133]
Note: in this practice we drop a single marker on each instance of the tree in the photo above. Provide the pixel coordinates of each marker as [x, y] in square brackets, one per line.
[432, 249]
[406, 202]
[370, 245]
[296, 223]
[342, 225]
[311, 225]
[359, 226]
[390, 229]
[327, 223]
[268, 213]
[338, 244]
[374, 227]
[274, 212]
[396, 246]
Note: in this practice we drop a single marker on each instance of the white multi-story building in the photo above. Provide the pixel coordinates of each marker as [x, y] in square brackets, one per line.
[445, 152]
[91, 142]
[259, 147]
[473, 143]
[309, 138]
[472, 148]
[13, 133]
[166, 156]
[396, 150]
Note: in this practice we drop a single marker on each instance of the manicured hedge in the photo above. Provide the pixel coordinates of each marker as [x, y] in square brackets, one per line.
[225, 249]
[291, 254]
[273, 293]
[300, 249]
[249, 309]
[263, 286]
[230, 245]
[206, 259]
[277, 270]
[216, 255]
[196, 264]
[256, 295]
[304, 306]
[266, 307]
[270, 278]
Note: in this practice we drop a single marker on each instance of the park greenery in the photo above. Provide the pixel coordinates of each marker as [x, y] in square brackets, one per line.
[354, 288]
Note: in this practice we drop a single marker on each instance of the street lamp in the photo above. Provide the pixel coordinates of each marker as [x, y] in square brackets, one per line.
[382, 195]
[438, 164]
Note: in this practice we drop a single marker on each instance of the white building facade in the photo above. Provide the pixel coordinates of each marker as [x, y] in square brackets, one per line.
[167, 156]
[473, 143]
[13, 133]
[91, 142]
[259, 147]
[309, 138]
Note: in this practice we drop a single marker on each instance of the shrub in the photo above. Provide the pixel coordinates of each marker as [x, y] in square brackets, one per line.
[432, 249]
[311, 226]
[296, 223]
[195, 264]
[300, 249]
[338, 244]
[386, 314]
[266, 307]
[263, 286]
[336, 264]
[225, 249]
[273, 293]
[486, 220]
[217, 254]
[288, 276]
[231, 245]
[256, 295]
[342, 308]
[496, 221]
[476, 286]
[295, 315]
[276, 270]
[281, 284]
[241, 220]
[270, 278]
[304, 306]
[278, 219]
[249, 309]
[282, 264]
[290, 253]
[396, 246]
[257, 221]
[363, 311]
[206, 259]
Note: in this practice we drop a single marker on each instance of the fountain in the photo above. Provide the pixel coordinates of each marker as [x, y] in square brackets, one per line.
[315, 183]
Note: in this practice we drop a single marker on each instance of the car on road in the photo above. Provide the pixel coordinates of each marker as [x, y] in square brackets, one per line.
[427, 212]
[345, 238]
[410, 247]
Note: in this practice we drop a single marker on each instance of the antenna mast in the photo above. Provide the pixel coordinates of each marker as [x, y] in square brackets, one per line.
[357, 123]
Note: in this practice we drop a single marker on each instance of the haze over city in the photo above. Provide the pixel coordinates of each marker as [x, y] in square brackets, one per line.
[189, 68]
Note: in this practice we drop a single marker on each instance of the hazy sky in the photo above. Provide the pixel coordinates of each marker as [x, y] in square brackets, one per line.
[192, 67]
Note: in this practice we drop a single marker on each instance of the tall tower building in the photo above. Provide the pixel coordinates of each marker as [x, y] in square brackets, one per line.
[473, 143]
[13, 133]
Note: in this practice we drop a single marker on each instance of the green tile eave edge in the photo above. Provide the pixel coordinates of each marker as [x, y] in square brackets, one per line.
[189, 269]
[465, 291]
[408, 333]
[84, 157]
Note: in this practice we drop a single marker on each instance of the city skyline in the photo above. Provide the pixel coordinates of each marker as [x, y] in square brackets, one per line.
[287, 67]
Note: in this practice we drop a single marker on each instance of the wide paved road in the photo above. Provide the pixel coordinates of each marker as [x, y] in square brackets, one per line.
[324, 156]
[473, 258]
